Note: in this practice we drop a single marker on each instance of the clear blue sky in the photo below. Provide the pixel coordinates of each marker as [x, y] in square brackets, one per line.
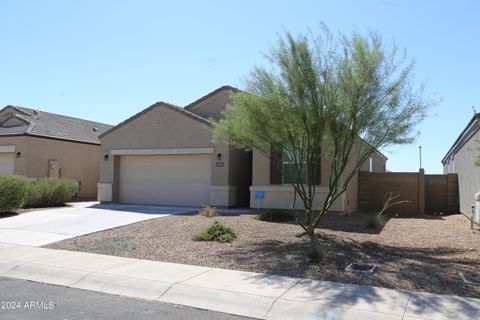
[106, 60]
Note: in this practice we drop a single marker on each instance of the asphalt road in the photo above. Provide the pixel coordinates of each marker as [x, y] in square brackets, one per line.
[25, 300]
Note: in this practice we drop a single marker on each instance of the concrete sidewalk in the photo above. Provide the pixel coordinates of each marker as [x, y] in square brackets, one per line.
[242, 293]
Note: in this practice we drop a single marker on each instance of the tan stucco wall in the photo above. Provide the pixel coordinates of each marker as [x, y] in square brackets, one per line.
[212, 106]
[163, 128]
[379, 163]
[78, 161]
[158, 128]
[281, 196]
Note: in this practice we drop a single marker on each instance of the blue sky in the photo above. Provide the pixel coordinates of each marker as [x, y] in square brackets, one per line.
[106, 60]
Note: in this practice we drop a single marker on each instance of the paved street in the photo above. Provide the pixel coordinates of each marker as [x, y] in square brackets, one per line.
[76, 304]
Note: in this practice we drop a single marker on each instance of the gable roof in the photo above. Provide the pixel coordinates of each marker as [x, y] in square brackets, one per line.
[467, 133]
[211, 94]
[160, 104]
[230, 88]
[26, 121]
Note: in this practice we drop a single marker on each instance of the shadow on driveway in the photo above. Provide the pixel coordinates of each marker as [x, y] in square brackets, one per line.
[146, 209]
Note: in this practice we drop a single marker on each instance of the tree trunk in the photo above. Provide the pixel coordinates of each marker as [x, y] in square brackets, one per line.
[311, 230]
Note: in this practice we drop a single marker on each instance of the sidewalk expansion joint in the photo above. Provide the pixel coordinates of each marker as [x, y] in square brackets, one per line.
[406, 306]
[82, 278]
[16, 267]
[280, 296]
[98, 272]
[180, 282]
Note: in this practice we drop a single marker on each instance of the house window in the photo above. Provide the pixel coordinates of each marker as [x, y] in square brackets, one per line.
[290, 170]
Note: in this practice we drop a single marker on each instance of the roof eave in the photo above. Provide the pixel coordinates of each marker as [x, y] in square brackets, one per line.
[211, 94]
[153, 106]
[26, 134]
[456, 145]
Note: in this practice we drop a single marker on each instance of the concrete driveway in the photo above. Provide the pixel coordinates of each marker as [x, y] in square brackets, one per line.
[38, 228]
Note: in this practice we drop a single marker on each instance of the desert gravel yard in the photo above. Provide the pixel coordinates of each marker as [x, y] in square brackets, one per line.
[422, 253]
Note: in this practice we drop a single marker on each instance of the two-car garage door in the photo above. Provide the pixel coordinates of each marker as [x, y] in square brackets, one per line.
[165, 179]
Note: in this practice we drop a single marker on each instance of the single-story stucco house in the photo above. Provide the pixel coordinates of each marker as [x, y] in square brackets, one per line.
[165, 155]
[460, 159]
[39, 144]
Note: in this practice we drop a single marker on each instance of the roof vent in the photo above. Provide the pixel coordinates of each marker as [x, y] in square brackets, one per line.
[95, 129]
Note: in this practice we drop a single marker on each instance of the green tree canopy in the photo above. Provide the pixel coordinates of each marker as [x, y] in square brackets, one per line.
[341, 96]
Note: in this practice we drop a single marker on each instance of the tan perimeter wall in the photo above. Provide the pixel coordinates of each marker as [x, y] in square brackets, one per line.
[425, 193]
[78, 161]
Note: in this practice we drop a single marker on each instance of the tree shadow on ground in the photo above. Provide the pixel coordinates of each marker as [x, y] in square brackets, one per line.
[147, 209]
[432, 270]
[356, 223]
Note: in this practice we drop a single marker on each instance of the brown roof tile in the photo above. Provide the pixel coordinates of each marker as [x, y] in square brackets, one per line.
[51, 125]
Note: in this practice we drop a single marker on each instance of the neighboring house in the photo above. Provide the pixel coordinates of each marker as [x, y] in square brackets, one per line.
[165, 155]
[460, 159]
[39, 144]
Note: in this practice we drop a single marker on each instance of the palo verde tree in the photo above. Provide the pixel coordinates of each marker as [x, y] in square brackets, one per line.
[340, 97]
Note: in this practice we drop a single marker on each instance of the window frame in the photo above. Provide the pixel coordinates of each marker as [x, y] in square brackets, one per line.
[285, 161]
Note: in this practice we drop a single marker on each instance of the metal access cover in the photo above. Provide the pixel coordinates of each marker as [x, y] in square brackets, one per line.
[363, 268]
[470, 278]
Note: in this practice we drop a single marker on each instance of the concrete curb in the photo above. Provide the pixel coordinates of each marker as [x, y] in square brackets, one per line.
[248, 294]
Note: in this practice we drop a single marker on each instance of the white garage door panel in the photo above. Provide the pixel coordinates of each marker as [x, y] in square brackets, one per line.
[167, 179]
[6, 164]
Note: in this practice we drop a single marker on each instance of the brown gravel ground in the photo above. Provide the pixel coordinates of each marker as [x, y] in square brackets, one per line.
[421, 253]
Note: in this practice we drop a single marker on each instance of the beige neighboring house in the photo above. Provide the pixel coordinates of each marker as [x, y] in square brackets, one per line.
[460, 159]
[39, 144]
[165, 155]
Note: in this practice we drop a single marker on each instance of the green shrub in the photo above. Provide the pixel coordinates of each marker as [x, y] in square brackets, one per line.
[50, 192]
[276, 216]
[216, 232]
[209, 211]
[375, 221]
[13, 191]
[314, 254]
